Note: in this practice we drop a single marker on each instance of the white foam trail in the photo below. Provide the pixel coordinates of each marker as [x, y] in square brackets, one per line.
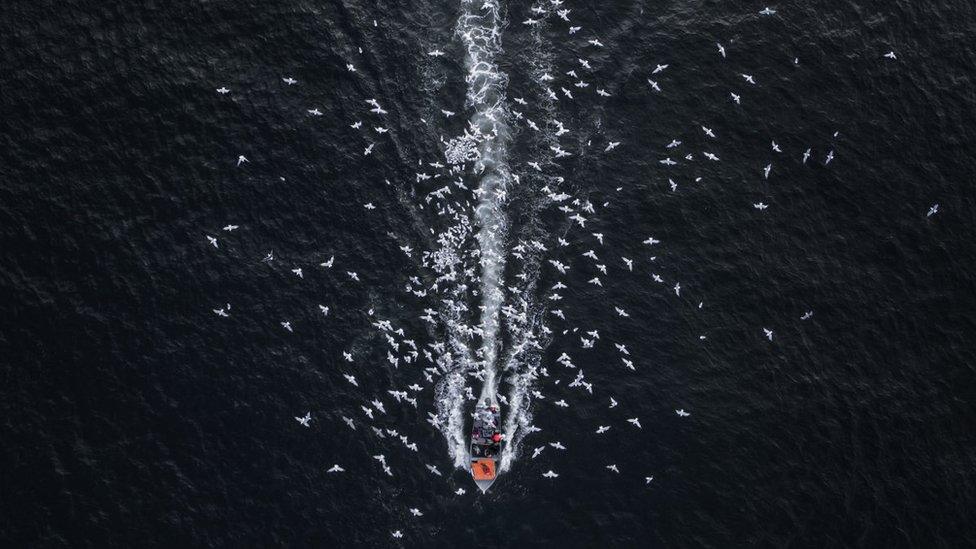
[486, 144]
[479, 28]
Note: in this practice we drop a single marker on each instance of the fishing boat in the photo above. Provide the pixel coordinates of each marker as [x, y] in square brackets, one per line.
[486, 443]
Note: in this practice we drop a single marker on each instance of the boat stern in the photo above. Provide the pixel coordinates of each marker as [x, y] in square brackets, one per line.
[484, 471]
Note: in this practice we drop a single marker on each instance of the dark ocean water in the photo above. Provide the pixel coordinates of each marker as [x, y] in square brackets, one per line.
[133, 416]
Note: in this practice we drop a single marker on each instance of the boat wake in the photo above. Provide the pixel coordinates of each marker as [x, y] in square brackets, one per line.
[491, 330]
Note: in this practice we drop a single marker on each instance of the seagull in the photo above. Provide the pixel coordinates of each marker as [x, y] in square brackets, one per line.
[654, 85]
[889, 55]
[397, 534]
[651, 241]
[328, 264]
[769, 334]
[933, 210]
[314, 112]
[351, 379]
[433, 469]
[560, 153]
[435, 53]
[767, 11]
[358, 124]
[561, 403]
[674, 143]
[708, 131]
[830, 156]
[682, 413]
[677, 289]
[806, 315]
[222, 312]
[748, 78]
[290, 81]
[286, 325]
[668, 161]
[231, 228]
[460, 491]
[766, 170]
[735, 98]
[613, 145]
[304, 419]
[416, 512]
[711, 156]
[324, 309]
[776, 147]
[629, 262]
[613, 403]
[636, 422]
[213, 241]
[602, 429]
[806, 155]
[760, 206]
[447, 114]
[613, 467]
[557, 445]
[298, 272]
[550, 474]
[336, 469]
[647, 480]
[537, 451]
[721, 49]
[659, 68]
[222, 90]
[241, 159]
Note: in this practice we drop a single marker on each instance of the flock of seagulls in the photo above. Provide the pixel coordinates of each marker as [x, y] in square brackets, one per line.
[446, 193]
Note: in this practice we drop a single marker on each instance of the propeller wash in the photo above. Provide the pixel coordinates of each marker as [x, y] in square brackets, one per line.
[492, 332]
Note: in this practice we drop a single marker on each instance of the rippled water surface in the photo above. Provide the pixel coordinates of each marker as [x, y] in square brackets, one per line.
[133, 415]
